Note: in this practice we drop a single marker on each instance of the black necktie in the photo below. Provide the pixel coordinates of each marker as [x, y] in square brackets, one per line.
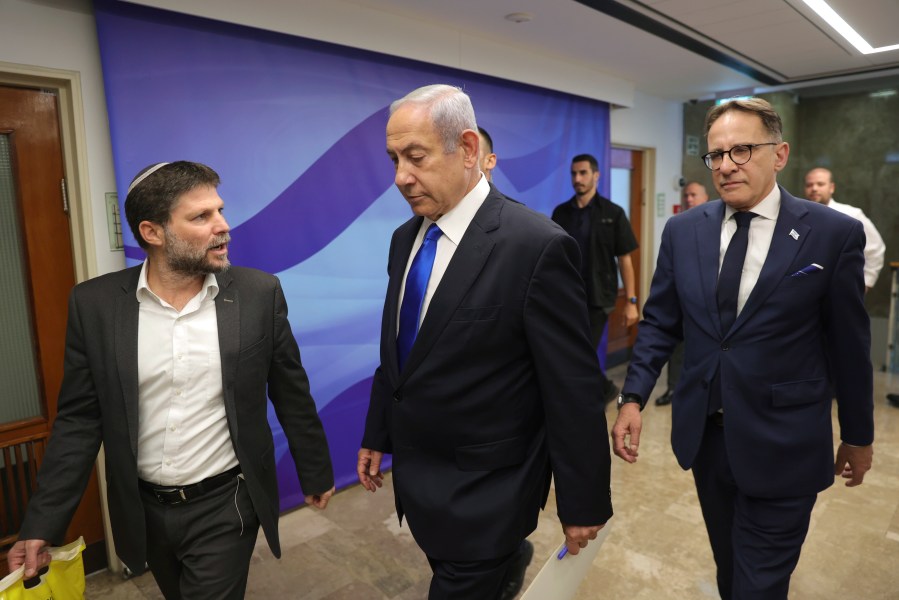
[728, 291]
[732, 270]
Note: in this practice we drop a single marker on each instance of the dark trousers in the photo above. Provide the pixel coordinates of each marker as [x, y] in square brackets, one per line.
[201, 549]
[469, 580]
[755, 541]
[598, 320]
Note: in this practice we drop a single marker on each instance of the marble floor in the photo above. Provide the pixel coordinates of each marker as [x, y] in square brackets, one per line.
[657, 548]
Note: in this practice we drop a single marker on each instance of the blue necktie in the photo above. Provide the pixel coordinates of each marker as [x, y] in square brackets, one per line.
[414, 295]
[728, 290]
[732, 271]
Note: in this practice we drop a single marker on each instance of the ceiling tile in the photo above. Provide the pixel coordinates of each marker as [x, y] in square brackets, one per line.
[875, 20]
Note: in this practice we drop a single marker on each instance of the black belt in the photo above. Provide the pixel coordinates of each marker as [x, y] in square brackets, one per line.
[717, 418]
[180, 495]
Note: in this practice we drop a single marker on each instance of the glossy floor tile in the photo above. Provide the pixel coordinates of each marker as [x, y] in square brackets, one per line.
[657, 548]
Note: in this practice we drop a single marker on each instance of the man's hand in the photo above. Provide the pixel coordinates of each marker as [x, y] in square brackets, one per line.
[320, 500]
[853, 462]
[369, 469]
[631, 314]
[628, 424]
[577, 537]
[32, 553]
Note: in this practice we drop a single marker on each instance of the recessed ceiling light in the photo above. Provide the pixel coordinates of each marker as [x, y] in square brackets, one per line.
[844, 29]
[519, 17]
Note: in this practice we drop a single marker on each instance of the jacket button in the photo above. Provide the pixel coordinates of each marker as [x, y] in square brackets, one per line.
[725, 347]
[397, 398]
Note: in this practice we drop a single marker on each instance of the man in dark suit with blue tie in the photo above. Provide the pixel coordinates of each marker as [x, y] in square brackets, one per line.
[488, 384]
[767, 292]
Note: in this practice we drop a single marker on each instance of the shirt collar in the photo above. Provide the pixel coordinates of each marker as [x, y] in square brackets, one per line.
[768, 208]
[210, 287]
[454, 223]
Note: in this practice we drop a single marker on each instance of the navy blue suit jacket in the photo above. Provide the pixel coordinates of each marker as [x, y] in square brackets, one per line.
[499, 392]
[797, 342]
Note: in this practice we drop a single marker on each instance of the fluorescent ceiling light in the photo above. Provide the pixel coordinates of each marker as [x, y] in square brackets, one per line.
[844, 29]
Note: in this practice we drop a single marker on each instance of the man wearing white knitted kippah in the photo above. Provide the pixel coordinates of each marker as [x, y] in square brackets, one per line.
[167, 364]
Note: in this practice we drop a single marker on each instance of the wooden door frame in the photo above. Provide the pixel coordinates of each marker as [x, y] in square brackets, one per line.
[67, 86]
[648, 219]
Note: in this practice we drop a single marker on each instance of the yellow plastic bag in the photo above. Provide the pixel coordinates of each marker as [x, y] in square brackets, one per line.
[62, 579]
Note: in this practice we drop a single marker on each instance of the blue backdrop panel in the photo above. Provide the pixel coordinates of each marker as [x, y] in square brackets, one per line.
[296, 130]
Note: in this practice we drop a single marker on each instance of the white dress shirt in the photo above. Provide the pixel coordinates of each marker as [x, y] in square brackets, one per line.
[874, 247]
[453, 225]
[183, 432]
[761, 232]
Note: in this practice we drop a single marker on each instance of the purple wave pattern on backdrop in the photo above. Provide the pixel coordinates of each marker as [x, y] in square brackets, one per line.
[274, 229]
[344, 420]
[296, 129]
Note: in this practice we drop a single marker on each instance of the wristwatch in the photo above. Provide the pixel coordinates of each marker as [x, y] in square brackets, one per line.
[629, 398]
[632, 299]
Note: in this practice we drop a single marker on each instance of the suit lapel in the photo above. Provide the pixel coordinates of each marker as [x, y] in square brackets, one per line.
[127, 310]
[781, 254]
[399, 257]
[708, 247]
[227, 315]
[461, 273]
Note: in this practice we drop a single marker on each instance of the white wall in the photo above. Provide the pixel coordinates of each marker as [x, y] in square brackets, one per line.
[66, 38]
[654, 123]
[62, 35]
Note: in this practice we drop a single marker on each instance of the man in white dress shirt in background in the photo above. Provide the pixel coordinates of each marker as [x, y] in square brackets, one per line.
[819, 186]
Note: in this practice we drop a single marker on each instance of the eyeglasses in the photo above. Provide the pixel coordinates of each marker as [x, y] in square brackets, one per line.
[739, 155]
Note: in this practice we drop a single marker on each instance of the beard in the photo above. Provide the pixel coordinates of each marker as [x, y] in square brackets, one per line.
[191, 260]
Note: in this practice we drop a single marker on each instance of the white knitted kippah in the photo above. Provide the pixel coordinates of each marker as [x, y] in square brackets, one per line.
[145, 174]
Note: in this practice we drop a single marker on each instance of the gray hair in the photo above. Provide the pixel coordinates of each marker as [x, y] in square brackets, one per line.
[450, 110]
[754, 106]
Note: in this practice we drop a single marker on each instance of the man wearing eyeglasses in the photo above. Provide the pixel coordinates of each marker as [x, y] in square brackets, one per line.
[767, 292]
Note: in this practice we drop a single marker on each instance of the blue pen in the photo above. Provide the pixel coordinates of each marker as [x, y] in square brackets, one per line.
[562, 553]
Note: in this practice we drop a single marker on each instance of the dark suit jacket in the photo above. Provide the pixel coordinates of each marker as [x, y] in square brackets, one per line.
[98, 403]
[610, 236]
[796, 339]
[499, 392]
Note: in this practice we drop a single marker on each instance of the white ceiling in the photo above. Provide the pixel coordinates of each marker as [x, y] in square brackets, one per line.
[694, 49]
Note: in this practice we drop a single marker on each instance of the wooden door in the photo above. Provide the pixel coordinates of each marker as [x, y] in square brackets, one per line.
[627, 191]
[38, 273]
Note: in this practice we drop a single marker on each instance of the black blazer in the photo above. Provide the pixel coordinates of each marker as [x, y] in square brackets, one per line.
[98, 403]
[499, 393]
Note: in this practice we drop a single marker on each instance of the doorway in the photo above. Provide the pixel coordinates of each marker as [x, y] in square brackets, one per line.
[37, 262]
[627, 190]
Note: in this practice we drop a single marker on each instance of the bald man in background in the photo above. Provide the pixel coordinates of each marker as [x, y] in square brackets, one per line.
[693, 194]
[819, 187]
